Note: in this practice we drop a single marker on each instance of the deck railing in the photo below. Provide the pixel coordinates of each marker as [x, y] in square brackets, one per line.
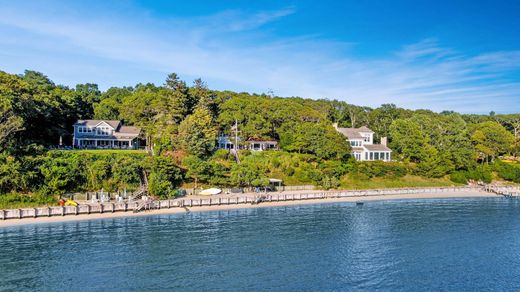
[231, 200]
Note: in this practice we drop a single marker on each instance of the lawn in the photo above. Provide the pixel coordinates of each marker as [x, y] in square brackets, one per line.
[408, 181]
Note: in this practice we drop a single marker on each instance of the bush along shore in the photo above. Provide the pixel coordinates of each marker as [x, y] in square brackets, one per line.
[181, 124]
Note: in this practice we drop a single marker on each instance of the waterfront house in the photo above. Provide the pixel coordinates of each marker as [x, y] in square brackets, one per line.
[258, 144]
[226, 142]
[253, 144]
[105, 134]
[363, 147]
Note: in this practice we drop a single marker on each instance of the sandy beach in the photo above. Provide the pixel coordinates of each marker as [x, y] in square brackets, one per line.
[458, 194]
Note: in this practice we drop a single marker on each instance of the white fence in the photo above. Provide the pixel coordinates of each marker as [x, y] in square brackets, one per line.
[186, 202]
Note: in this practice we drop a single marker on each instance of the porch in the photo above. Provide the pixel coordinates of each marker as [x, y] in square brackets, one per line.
[105, 144]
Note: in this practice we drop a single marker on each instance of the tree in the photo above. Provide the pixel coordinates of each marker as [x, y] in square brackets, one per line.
[197, 134]
[251, 172]
[164, 177]
[111, 101]
[408, 140]
[202, 96]
[490, 140]
[381, 118]
[180, 104]
[198, 169]
[9, 125]
[319, 139]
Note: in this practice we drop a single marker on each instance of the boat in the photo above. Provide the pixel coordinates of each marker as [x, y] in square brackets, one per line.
[210, 192]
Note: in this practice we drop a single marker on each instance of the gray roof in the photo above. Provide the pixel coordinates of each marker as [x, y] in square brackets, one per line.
[121, 132]
[365, 129]
[91, 123]
[354, 133]
[376, 147]
[350, 133]
[129, 130]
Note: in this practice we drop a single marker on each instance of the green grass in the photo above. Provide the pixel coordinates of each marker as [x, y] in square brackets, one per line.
[15, 201]
[408, 181]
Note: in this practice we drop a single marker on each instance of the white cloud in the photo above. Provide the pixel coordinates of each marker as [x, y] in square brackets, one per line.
[230, 52]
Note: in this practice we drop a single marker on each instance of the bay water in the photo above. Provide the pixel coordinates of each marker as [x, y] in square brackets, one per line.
[407, 245]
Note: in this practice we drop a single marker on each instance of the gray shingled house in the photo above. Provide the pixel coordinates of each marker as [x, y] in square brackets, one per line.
[363, 147]
[105, 134]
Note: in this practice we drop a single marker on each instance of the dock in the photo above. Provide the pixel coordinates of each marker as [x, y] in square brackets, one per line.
[254, 198]
[505, 191]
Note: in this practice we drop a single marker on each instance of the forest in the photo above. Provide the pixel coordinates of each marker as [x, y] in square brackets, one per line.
[182, 122]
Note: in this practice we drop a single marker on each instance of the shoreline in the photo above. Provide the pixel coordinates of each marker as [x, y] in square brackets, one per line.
[178, 210]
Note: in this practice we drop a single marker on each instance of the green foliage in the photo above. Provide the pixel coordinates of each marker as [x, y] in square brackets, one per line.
[508, 171]
[459, 177]
[164, 177]
[16, 200]
[381, 169]
[251, 172]
[197, 135]
[481, 173]
[491, 139]
[319, 139]
[408, 140]
[329, 182]
[69, 171]
[35, 112]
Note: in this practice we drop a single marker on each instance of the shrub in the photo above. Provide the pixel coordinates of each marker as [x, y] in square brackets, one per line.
[510, 172]
[165, 176]
[481, 173]
[459, 177]
[381, 169]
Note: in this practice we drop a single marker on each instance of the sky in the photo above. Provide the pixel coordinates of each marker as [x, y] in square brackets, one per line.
[440, 55]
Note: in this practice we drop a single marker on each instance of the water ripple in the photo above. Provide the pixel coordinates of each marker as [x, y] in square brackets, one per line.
[410, 245]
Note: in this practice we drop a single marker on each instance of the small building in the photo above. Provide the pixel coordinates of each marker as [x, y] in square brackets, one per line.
[105, 134]
[253, 144]
[262, 144]
[226, 142]
[363, 147]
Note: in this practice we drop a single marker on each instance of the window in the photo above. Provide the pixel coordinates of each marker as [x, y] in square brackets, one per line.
[376, 157]
[355, 143]
[366, 155]
[103, 131]
[371, 155]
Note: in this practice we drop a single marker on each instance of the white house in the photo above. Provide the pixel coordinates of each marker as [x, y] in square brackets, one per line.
[226, 142]
[363, 147]
[105, 134]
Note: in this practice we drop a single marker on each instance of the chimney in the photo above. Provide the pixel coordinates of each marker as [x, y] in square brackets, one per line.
[384, 140]
[335, 125]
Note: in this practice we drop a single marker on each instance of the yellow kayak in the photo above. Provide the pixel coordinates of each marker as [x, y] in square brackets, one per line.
[70, 203]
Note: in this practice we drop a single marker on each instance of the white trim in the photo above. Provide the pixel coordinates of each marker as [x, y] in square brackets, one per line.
[103, 122]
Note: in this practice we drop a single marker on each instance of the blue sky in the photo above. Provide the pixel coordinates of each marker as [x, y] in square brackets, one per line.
[441, 55]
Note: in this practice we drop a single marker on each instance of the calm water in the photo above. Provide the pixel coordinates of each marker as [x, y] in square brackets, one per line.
[457, 244]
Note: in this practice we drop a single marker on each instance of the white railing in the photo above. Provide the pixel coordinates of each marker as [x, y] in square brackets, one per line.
[241, 199]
